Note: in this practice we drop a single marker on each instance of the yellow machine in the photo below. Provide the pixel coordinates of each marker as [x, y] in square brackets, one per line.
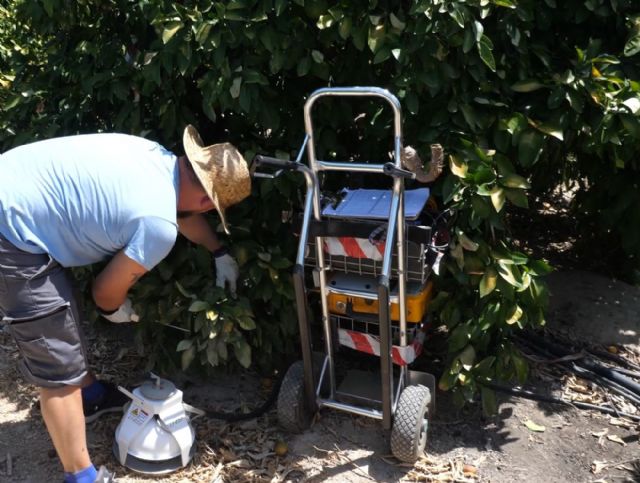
[418, 297]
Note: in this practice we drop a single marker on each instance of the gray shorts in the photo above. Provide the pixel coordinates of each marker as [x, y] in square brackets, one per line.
[41, 314]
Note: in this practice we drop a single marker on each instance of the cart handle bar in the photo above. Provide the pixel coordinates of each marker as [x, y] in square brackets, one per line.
[392, 170]
[354, 91]
[278, 163]
[389, 168]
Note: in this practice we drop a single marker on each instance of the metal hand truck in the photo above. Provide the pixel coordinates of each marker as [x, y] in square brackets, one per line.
[401, 399]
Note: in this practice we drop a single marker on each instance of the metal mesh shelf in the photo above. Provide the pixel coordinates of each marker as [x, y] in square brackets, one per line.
[417, 267]
[372, 328]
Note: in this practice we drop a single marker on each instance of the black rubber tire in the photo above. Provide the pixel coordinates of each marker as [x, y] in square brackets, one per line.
[410, 424]
[293, 414]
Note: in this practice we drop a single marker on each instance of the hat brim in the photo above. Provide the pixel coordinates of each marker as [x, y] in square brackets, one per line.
[193, 148]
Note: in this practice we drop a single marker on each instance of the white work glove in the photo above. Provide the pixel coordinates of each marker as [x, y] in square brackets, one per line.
[226, 270]
[125, 313]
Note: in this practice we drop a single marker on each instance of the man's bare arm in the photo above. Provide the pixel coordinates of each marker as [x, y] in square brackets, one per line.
[112, 284]
[197, 229]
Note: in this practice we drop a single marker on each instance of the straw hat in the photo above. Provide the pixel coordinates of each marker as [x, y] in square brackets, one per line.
[220, 168]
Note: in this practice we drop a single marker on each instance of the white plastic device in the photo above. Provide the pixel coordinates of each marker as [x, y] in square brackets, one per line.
[155, 435]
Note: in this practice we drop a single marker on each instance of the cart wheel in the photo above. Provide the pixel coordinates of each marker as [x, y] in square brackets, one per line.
[410, 424]
[293, 413]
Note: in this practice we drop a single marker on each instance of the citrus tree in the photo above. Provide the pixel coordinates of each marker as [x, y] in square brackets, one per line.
[522, 94]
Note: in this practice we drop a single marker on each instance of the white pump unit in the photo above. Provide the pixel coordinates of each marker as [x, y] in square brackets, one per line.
[155, 435]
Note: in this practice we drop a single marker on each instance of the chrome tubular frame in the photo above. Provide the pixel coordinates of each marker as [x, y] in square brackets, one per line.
[396, 229]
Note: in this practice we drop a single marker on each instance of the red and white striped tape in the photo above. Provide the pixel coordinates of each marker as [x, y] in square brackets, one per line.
[371, 345]
[353, 247]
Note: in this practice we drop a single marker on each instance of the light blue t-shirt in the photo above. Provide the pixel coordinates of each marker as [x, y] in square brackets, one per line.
[84, 198]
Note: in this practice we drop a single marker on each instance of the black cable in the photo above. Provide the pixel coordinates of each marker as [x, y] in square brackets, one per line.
[582, 370]
[257, 412]
[555, 400]
[591, 365]
[611, 385]
[626, 372]
[616, 358]
[235, 417]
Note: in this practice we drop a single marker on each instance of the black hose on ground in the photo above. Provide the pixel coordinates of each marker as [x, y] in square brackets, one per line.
[586, 363]
[627, 372]
[603, 381]
[581, 371]
[616, 358]
[257, 412]
[556, 400]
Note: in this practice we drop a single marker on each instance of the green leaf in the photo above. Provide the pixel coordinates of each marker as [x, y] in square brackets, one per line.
[527, 86]
[303, 67]
[489, 404]
[530, 147]
[198, 306]
[631, 124]
[48, 7]
[457, 166]
[324, 22]
[459, 338]
[515, 124]
[509, 273]
[512, 180]
[202, 34]
[549, 129]
[480, 207]
[376, 37]
[234, 90]
[447, 380]
[317, 56]
[242, 351]
[534, 427]
[382, 55]
[344, 29]
[207, 108]
[184, 344]
[478, 31]
[252, 76]
[497, 198]
[515, 315]
[485, 49]
[632, 45]
[483, 368]
[396, 22]
[457, 15]
[15, 100]
[247, 323]
[488, 281]
[467, 357]
[187, 357]
[280, 6]
[540, 268]
[469, 40]
[504, 3]
[170, 30]
[522, 368]
[517, 197]
[212, 315]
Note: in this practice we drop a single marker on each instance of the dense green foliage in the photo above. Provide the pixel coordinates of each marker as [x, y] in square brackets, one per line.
[515, 90]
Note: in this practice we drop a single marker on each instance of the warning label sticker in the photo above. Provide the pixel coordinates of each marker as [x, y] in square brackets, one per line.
[138, 416]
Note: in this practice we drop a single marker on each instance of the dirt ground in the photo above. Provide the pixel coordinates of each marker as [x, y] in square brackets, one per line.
[574, 445]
